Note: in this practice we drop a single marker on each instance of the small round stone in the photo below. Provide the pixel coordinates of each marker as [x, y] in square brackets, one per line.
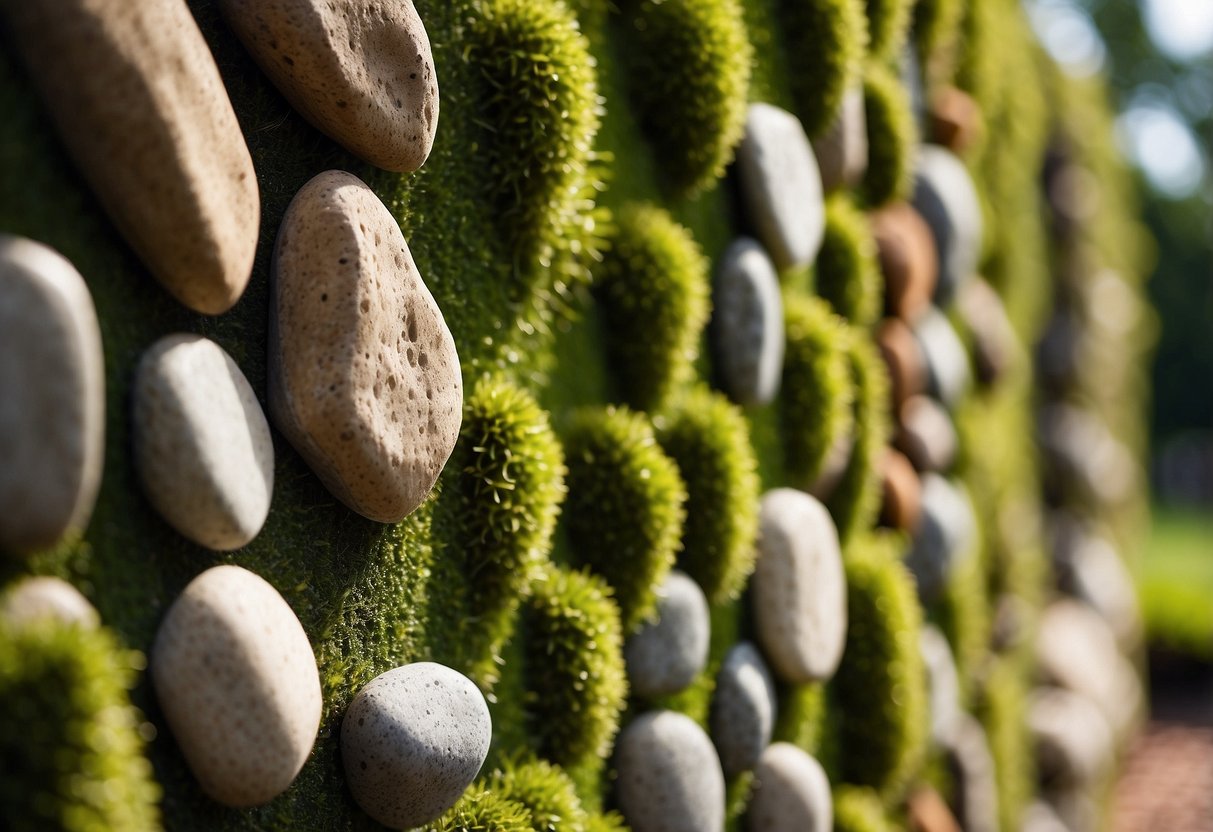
[842, 150]
[52, 398]
[907, 259]
[954, 119]
[945, 197]
[743, 709]
[237, 681]
[33, 599]
[412, 741]
[747, 325]
[1073, 742]
[666, 654]
[975, 792]
[926, 435]
[943, 684]
[669, 776]
[799, 589]
[995, 344]
[901, 492]
[791, 793]
[904, 359]
[1089, 568]
[947, 362]
[202, 446]
[947, 533]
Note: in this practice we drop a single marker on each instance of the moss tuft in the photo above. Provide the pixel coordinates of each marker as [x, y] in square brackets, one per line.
[817, 394]
[880, 687]
[546, 792]
[624, 513]
[708, 439]
[826, 41]
[801, 718]
[70, 744]
[936, 30]
[654, 293]
[690, 80]
[855, 502]
[848, 274]
[1002, 708]
[573, 666]
[610, 822]
[891, 138]
[482, 810]
[888, 23]
[857, 809]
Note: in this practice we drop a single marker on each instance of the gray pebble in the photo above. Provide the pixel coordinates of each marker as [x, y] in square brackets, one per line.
[975, 794]
[791, 793]
[412, 741]
[926, 435]
[1088, 567]
[947, 362]
[943, 682]
[945, 196]
[1041, 817]
[666, 654]
[747, 325]
[32, 599]
[743, 709]
[1072, 739]
[1081, 452]
[842, 151]
[946, 535]
[669, 776]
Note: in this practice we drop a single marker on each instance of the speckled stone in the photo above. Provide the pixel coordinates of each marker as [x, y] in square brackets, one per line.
[140, 106]
[32, 599]
[52, 398]
[945, 197]
[908, 260]
[943, 684]
[666, 654]
[947, 534]
[669, 775]
[799, 590]
[237, 682]
[791, 793]
[412, 741]
[202, 445]
[1072, 739]
[926, 435]
[747, 324]
[842, 150]
[364, 377]
[743, 709]
[947, 362]
[781, 186]
[361, 71]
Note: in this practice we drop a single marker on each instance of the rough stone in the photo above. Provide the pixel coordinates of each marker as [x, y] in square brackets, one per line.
[202, 446]
[799, 590]
[747, 324]
[781, 186]
[52, 398]
[975, 794]
[947, 362]
[946, 198]
[361, 71]
[364, 376]
[237, 682]
[669, 776]
[926, 435]
[907, 259]
[412, 741]
[904, 359]
[184, 194]
[947, 534]
[791, 793]
[901, 492]
[666, 654]
[33, 599]
[743, 709]
[842, 150]
[1072, 739]
[943, 683]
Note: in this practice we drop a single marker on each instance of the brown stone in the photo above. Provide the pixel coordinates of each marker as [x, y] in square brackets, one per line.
[903, 357]
[995, 343]
[925, 434]
[908, 259]
[954, 119]
[928, 812]
[902, 500]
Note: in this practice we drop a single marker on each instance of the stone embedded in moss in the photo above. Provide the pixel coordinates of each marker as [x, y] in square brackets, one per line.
[573, 666]
[70, 740]
[483, 810]
[546, 792]
[859, 809]
[888, 25]
[708, 439]
[847, 269]
[624, 512]
[655, 296]
[891, 138]
[826, 44]
[855, 502]
[690, 79]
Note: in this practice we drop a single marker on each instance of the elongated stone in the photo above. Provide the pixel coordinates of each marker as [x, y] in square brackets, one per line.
[791, 793]
[666, 654]
[743, 709]
[842, 151]
[747, 324]
[908, 259]
[669, 775]
[945, 196]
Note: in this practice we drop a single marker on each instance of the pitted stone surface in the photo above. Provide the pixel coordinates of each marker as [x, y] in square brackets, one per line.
[364, 377]
[791, 793]
[747, 325]
[743, 709]
[32, 599]
[666, 654]
[669, 776]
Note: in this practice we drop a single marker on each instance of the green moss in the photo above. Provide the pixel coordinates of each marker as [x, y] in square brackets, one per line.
[624, 513]
[858, 809]
[936, 30]
[573, 667]
[880, 688]
[609, 822]
[826, 41]
[847, 272]
[498, 515]
[545, 791]
[708, 439]
[690, 78]
[888, 23]
[71, 744]
[801, 717]
[1002, 708]
[963, 614]
[482, 810]
[855, 502]
[816, 396]
[891, 138]
[654, 294]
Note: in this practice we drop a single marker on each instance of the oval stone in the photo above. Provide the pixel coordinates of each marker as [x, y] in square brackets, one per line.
[237, 681]
[791, 793]
[842, 150]
[364, 376]
[926, 435]
[33, 599]
[52, 398]
[412, 741]
[799, 589]
[141, 108]
[669, 776]
[946, 535]
[747, 324]
[901, 492]
[202, 445]
[666, 654]
[908, 259]
[946, 198]
[971, 766]
[743, 709]
[904, 359]
[943, 684]
[361, 71]
[1073, 742]
[945, 357]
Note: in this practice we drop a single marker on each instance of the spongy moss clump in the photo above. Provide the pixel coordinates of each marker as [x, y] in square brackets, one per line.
[625, 510]
[1002, 708]
[690, 80]
[654, 293]
[847, 272]
[857, 809]
[826, 43]
[481, 810]
[70, 744]
[888, 23]
[708, 439]
[546, 792]
[855, 502]
[891, 137]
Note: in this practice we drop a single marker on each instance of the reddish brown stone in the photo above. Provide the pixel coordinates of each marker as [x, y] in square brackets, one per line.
[902, 492]
[929, 813]
[954, 120]
[908, 259]
[903, 357]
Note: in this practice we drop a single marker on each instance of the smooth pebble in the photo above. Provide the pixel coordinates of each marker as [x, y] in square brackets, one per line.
[666, 654]
[842, 150]
[975, 789]
[995, 344]
[947, 534]
[943, 684]
[901, 492]
[791, 793]
[904, 360]
[33, 599]
[1089, 568]
[670, 778]
[747, 324]
[908, 260]
[926, 435]
[946, 198]
[743, 709]
[1083, 455]
[1072, 739]
[945, 357]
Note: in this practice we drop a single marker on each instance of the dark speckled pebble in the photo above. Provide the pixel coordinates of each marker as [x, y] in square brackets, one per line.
[669, 775]
[743, 709]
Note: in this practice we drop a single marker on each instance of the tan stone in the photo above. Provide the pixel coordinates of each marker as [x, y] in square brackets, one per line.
[141, 108]
[908, 259]
[361, 71]
[364, 376]
[34, 599]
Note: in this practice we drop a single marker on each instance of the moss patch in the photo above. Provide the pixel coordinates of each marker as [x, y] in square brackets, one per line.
[827, 40]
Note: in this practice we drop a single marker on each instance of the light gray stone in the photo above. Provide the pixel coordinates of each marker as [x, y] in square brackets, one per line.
[747, 324]
[669, 776]
[412, 741]
[1040, 817]
[781, 186]
[926, 435]
[743, 709]
[1072, 739]
[943, 683]
[202, 446]
[946, 535]
[945, 196]
[947, 362]
[52, 398]
[975, 796]
[1088, 567]
[1084, 456]
[33, 599]
[842, 150]
[666, 654]
[791, 793]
